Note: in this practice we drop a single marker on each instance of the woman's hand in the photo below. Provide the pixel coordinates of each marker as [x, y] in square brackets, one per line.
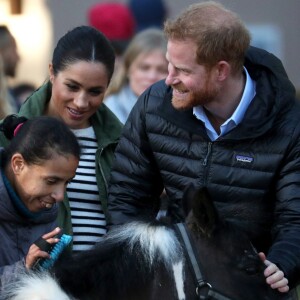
[36, 253]
[274, 277]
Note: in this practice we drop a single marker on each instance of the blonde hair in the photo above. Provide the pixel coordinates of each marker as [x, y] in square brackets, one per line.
[145, 41]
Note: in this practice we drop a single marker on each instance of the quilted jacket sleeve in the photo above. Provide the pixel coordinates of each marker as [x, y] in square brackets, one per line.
[135, 183]
[285, 250]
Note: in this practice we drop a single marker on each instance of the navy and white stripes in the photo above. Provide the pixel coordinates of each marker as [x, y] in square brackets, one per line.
[88, 219]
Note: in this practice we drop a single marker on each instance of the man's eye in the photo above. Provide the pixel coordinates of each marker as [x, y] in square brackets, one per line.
[51, 181]
[184, 71]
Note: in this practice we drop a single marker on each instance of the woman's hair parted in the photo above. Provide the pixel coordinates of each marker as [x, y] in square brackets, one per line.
[83, 43]
[38, 139]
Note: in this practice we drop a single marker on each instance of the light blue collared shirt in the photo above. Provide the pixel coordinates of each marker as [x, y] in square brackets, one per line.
[237, 116]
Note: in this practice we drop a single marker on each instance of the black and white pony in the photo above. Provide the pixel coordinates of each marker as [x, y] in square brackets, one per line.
[143, 261]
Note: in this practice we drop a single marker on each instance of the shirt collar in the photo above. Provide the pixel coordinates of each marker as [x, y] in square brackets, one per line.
[237, 116]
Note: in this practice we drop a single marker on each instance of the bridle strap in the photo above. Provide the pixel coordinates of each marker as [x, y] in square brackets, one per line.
[201, 283]
[216, 295]
[190, 252]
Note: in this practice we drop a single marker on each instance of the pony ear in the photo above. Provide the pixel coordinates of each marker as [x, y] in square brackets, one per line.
[204, 212]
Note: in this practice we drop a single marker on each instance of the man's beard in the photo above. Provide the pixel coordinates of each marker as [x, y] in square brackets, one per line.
[201, 97]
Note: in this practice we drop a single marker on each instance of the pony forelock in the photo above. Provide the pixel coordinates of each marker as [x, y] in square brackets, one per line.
[155, 242]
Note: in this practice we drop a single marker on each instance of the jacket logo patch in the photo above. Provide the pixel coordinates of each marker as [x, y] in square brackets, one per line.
[244, 159]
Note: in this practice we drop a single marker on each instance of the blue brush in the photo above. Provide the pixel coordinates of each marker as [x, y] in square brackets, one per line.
[48, 263]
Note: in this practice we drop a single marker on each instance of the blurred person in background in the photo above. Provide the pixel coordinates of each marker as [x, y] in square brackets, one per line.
[22, 91]
[143, 64]
[5, 108]
[116, 22]
[148, 13]
[10, 59]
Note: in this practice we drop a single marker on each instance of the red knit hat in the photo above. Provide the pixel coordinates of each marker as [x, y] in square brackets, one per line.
[114, 20]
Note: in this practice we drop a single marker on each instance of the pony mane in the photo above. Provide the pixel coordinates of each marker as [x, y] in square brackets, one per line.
[127, 257]
[157, 242]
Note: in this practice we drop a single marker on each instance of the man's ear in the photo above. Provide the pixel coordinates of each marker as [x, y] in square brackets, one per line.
[17, 163]
[223, 69]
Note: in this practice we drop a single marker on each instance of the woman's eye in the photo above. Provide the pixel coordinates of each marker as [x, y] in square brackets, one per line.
[72, 87]
[95, 93]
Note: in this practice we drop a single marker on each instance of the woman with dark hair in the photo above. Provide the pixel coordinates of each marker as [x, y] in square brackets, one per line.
[35, 169]
[80, 71]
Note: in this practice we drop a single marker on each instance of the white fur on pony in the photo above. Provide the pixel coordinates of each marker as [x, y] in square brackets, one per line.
[179, 279]
[38, 286]
[155, 242]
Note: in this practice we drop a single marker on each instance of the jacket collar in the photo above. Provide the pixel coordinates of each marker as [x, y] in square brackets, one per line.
[107, 126]
[275, 95]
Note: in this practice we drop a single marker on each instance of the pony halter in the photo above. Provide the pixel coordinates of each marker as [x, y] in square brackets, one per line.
[204, 289]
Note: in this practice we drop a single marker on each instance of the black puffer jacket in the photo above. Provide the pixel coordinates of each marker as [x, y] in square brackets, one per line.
[252, 173]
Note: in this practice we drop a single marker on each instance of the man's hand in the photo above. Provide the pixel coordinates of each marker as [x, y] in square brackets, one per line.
[274, 277]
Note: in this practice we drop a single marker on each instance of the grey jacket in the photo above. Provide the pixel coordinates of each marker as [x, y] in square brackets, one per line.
[17, 234]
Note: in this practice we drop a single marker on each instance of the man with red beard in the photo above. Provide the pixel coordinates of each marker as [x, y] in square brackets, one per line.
[226, 118]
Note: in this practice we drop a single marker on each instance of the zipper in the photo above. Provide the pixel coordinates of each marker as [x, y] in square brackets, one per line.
[101, 170]
[209, 145]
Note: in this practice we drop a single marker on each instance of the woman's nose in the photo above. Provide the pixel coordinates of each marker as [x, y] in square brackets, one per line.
[80, 100]
[59, 193]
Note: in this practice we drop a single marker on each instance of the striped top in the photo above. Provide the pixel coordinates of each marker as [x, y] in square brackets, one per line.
[87, 217]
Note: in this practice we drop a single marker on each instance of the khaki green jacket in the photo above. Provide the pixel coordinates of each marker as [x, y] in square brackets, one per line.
[107, 129]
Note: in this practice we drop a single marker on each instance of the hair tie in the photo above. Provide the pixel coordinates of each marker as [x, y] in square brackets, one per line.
[18, 128]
